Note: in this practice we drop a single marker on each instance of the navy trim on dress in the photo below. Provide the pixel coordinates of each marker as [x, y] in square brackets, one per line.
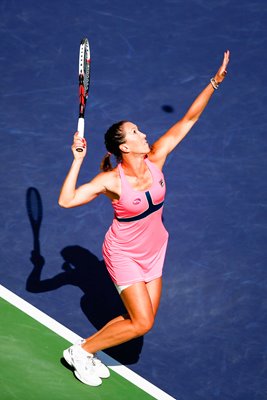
[151, 208]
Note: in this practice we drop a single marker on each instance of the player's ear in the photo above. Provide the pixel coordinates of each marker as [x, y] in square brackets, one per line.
[124, 148]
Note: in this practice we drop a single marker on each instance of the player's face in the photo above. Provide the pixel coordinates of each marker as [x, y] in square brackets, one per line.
[135, 140]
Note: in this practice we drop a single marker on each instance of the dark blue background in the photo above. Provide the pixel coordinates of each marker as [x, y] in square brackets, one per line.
[149, 60]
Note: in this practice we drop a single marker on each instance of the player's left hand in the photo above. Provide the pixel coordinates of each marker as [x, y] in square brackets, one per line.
[222, 71]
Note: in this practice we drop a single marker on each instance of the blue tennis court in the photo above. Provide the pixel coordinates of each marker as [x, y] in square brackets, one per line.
[149, 61]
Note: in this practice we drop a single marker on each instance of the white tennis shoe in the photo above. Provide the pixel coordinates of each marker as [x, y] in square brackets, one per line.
[88, 368]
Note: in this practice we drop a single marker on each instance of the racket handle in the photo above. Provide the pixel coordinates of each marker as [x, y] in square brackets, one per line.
[80, 130]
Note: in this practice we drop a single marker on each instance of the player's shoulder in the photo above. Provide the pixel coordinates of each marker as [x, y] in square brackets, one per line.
[156, 158]
[111, 174]
[110, 182]
[108, 178]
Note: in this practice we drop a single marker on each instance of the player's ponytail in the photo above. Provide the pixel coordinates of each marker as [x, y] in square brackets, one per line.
[106, 163]
[114, 137]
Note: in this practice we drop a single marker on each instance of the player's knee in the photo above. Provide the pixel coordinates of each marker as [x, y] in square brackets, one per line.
[144, 325]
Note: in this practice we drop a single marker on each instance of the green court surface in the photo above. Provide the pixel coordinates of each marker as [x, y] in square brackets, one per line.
[31, 365]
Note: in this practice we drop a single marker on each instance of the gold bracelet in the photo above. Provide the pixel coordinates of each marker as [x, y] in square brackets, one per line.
[215, 84]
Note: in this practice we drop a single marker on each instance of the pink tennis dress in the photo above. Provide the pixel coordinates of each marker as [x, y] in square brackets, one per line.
[135, 245]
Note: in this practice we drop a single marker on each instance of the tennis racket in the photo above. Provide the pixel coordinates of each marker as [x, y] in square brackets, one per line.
[35, 213]
[84, 80]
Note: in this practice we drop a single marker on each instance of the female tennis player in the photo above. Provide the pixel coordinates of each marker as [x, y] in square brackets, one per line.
[135, 244]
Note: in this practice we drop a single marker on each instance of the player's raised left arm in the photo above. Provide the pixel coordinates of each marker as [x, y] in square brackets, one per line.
[166, 143]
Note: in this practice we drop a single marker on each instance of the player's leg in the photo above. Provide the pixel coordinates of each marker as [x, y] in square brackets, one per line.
[137, 301]
[154, 289]
[141, 301]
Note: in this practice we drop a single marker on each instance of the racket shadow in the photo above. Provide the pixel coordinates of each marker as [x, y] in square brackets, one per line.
[100, 301]
[35, 213]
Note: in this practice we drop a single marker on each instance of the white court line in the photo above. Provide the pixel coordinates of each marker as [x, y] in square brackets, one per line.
[72, 337]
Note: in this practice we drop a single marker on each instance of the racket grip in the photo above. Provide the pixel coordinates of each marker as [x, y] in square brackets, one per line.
[80, 130]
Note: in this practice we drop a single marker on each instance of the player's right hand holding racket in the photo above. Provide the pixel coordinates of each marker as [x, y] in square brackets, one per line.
[79, 143]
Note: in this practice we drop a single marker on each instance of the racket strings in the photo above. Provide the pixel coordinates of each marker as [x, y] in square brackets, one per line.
[84, 67]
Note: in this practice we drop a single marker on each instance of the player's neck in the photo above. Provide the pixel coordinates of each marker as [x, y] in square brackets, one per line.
[134, 166]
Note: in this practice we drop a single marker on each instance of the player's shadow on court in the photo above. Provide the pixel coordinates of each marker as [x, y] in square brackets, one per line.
[100, 302]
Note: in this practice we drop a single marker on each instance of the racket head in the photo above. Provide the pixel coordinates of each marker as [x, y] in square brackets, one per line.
[84, 71]
[84, 82]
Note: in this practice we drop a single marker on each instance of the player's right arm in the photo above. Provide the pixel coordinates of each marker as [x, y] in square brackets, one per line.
[71, 196]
